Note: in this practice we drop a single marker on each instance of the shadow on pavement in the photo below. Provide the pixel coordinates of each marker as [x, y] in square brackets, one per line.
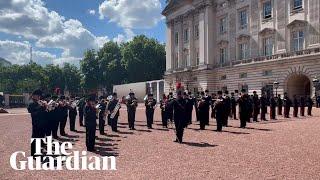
[195, 144]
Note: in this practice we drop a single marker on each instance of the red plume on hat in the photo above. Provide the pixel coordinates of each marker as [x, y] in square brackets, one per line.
[178, 85]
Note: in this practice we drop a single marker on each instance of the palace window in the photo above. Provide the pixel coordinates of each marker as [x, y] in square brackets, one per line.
[186, 35]
[197, 58]
[267, 46]
[176, 38]
[267, 10]
[243, 75]
[196, 31]
[298, 40]
[267, 73]
[243, 51]
[243, 18]
[297, 4]
[223, 55]
[223, 25]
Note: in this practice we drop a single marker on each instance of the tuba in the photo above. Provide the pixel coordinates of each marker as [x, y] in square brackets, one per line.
[115, 110]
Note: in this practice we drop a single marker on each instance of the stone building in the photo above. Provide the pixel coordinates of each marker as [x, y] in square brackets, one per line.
[243, 44]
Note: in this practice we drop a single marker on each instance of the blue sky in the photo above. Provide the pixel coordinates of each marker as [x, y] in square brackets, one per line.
[60, 30]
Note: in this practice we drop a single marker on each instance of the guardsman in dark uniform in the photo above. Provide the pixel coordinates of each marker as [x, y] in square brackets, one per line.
[273, 105]
[54, 113]
[302, 106]
[208, 100]
[233, 106]
[227, 108]
[279, 104]
[219, 110]
[47, 119]
[102, 115]
[250, 98]
[196, 105]
[111, 108]
[163, 107]
[90, 113]
[318, 101]
[81, 105]
[264, 107]
[132, 104]
[287, 105]
[189, 106]
[256, 106]
[63, 115]
[202, 111]
[295, 106]
[180, 121]
[38, 113]
[309, 103]
[72, 114]
[150, 104]
[169, 108]
[213, 113]
[244, 109]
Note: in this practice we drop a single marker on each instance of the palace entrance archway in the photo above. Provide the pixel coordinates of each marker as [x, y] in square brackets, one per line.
[299, 85]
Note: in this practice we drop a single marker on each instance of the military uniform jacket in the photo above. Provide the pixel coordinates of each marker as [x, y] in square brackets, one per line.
[131, 105]
[150, 107]
[102, 109]
[244, 104]
[90, 116]
[179, 109]
[38, 113]
[112, 104]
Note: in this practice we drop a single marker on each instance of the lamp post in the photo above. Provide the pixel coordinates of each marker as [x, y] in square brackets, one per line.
[276, 86]
[315, 84]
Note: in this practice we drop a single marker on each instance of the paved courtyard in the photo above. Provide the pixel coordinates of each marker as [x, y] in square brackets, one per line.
[281, 149]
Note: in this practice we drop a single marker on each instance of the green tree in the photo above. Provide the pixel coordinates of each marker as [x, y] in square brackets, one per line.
[72, 78]
[144, 59]
[90, 70]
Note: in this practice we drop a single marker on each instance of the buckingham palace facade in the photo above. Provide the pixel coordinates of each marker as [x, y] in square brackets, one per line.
[243, 44]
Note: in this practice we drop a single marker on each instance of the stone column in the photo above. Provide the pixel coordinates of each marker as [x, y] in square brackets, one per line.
[169, 47]
[202, 37]
[158, 92]
[191, 42]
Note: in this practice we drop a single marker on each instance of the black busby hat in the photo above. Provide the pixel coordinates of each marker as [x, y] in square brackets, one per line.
[254, 92]
[150, 95]
[170, 93]
[62, 97]
[179, 93]
[114, 94]
[219, 92]
[184, 93]
[37, 92]
[206, 91]
[202, 93]
[226, 92]
[92, 98]
[243, 90]
[189, 93]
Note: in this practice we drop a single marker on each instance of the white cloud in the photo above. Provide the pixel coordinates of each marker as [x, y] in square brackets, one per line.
[92, 11]
[71, 60]
[132, 14]
[19, 53]
[32, 20]
[127, 36]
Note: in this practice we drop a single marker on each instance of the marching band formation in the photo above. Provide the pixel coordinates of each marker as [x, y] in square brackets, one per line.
[50, 113]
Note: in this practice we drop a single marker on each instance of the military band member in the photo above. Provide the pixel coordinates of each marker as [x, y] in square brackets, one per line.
[150, 104]
[244, 109]
[81, 106]
[302, 106]
[309, 103]
[179, 109]
[203, 111]
[264, 107]
[273, 105]
[63, 114]
[37, 111]
[287, 104]
[208, 99]
[102, 115]
[90, 112]
[169, 108]
[72, 114]
[214, 97]
[55, 114]
[256, 106]
[280, 105]
[295, 106]
[163, 107]
[189, 107]
[233, 106]
[219, 110]
[112, 108]
[132, 104]
[227, 108]
[196, 105]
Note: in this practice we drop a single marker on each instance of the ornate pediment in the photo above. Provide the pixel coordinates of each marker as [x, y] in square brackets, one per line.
[223, 43]
[297, 23]
[243, 37]
[266, 31]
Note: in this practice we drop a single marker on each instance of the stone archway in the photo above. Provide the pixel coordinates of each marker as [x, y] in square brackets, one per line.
[299, 85]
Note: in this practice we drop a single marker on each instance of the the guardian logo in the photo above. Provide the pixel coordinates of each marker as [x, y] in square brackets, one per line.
[57, 155]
